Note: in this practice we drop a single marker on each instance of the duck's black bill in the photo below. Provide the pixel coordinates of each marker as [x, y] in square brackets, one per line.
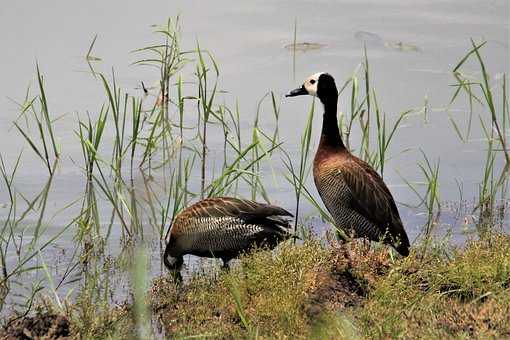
[300, 91]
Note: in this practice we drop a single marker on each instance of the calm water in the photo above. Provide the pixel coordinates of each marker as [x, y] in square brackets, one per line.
[412, 48]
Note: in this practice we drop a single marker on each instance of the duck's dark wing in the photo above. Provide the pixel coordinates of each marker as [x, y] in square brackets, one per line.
[372, 199]
[250, 211]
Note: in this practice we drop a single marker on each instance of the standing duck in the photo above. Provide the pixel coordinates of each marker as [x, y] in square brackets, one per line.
[352, 191]
[224, 227]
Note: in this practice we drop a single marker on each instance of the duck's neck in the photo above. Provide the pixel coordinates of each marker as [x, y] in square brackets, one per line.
[330, 137]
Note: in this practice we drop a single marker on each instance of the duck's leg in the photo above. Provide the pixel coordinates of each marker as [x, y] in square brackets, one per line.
[176, 276]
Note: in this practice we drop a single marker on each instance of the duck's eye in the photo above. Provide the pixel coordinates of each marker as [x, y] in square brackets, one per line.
[312, 81]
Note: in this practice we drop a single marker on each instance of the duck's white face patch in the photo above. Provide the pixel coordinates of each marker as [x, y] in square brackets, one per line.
[311, 83]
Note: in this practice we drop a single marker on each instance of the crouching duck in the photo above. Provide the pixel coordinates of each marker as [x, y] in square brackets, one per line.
[224, 227]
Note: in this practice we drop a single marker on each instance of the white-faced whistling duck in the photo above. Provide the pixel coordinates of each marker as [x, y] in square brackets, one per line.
[223, 227]
[352, 191]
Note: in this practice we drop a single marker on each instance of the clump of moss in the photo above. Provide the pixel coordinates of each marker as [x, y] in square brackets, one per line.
[43, 324]
[465, 294]
[89, 316]
[89, 320]
[78, 320]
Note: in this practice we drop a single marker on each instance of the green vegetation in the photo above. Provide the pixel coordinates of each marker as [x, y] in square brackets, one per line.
[140, 154]
[348, 291]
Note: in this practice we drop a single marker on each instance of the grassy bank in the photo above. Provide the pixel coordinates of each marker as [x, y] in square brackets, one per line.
[318, 291]
[348, 291]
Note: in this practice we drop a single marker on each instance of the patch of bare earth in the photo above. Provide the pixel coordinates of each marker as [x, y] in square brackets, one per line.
[354, 269]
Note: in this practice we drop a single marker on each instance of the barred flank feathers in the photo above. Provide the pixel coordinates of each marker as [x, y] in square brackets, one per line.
[224, 227]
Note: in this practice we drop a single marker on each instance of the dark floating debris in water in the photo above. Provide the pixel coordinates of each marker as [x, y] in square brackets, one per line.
[93, 58]
[368, 37]
[374, 39]
[304, 46]
[401, 46]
